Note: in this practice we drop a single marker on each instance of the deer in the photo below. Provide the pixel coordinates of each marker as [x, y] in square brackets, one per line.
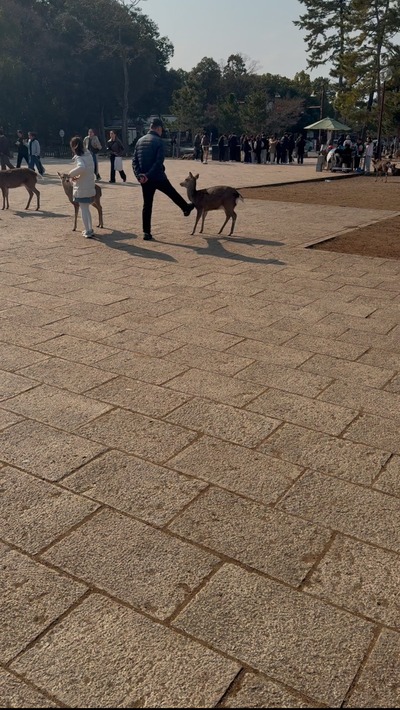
[19, 177]
[212, 198]
[382, 167]
[66, 182]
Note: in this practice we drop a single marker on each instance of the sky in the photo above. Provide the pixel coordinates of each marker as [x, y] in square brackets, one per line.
[261, 29]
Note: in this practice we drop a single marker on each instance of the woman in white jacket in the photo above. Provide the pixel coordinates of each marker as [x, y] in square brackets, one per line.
[83, 181]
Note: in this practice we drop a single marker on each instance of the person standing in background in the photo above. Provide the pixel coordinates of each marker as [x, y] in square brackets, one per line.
[4, 152]
[205, 145]
[22, 147]
[300, 149]
[93, 145]
[116, 150]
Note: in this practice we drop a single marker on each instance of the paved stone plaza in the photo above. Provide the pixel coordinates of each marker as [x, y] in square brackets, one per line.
[199, 456]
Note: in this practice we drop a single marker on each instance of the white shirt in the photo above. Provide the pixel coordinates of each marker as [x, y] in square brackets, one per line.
[34, 147]
[84, 186]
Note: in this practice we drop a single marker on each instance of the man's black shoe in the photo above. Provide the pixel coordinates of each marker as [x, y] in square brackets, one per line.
[189, 210]
[147, 237]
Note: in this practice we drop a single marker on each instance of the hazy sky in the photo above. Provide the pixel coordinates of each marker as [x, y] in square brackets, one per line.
[261, 29]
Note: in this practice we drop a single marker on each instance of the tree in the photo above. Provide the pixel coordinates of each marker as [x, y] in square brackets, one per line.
[328, 25]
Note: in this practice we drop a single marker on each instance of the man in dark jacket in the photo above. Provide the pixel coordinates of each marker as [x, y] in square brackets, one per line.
[4, 152]
[148, 166]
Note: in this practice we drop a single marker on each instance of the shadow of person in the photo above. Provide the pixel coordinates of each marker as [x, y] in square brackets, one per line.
[124, 241]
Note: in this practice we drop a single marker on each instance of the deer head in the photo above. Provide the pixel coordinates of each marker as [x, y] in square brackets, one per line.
[190, 182]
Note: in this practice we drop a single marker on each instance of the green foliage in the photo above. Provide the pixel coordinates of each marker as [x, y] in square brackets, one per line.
[358, 38]
[74, 63]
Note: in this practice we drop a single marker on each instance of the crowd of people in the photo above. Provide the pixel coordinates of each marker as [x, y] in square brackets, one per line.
[29, 151]
[357, 154]
[249, 148]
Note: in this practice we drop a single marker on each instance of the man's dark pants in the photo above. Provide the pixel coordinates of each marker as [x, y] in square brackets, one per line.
[149, 190]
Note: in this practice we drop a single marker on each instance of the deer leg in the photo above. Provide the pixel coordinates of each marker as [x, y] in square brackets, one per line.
[234, 218]
[76, 208]
[7, 202]
[202, 222]
[228, 216]
[4, 198]
[100, 211]
[197, 221]
[30, 197]
[37, 193]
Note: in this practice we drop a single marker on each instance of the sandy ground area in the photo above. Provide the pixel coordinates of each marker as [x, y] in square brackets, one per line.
[381, 239]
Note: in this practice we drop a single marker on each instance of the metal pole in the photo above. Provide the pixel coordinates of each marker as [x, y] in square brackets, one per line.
[379, 147]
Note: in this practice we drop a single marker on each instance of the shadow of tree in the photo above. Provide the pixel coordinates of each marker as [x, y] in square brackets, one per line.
[216, 248]
[116, 240]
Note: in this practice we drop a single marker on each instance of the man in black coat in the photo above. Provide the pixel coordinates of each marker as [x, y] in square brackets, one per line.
[233, 144]
[148, 166]
[4, 152]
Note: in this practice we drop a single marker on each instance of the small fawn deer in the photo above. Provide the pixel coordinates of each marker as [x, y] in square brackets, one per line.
[212, 198]
[19, 177]
[66, 182]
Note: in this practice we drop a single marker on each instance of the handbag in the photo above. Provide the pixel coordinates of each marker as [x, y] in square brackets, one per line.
[118, 163]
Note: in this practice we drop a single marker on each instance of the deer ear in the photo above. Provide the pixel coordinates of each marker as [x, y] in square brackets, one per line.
[196, 177]
[190, 174]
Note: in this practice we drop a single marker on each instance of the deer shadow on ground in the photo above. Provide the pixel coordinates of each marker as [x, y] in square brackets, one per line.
[216, 248]
[38, 213]
[118, 240]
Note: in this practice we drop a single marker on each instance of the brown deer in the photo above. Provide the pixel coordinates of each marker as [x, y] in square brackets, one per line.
[212, 198]
[66, 182]
[382, 167]
[19, 177]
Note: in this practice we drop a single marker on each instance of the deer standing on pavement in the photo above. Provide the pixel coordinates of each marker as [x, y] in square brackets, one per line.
[212, 198]
[66, 182]
[19, 177]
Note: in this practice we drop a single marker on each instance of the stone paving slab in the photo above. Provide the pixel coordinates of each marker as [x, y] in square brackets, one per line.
[255, 691]
[14, 693]
[272, 628]
[32, 594]
[199, 454]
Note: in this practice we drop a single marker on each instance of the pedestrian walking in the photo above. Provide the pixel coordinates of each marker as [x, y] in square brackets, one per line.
[149, 169]
[84, 188]
[22, 147]
[93, 145]
[4, 152]
[34, 153]
[116, 151]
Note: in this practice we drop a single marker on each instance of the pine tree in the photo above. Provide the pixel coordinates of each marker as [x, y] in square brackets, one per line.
[328, 25]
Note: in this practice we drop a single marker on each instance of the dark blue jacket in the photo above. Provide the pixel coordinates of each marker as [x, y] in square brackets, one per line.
[148, 158]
